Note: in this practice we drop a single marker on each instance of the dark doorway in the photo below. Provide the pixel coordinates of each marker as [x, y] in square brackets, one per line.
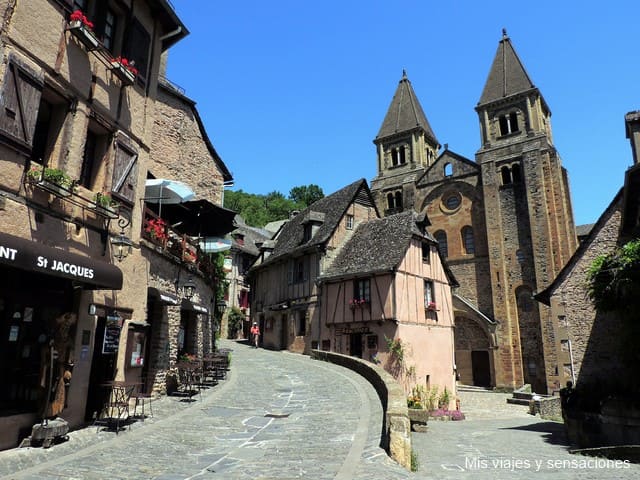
[103, 365]
[355, 345]
[284, 332]
[481, 368]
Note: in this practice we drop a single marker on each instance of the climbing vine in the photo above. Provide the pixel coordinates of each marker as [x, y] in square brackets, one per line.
[613, 280]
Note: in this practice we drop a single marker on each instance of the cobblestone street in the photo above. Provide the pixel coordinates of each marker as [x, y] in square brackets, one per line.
[284, 416]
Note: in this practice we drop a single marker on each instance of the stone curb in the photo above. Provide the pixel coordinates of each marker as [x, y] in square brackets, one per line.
[397, 426]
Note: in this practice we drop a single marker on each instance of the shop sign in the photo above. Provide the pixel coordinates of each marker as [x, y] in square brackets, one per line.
[111, 336]
[35, 257]
[349, 330]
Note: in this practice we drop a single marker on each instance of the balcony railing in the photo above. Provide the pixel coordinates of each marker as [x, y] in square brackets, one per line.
[179, 246]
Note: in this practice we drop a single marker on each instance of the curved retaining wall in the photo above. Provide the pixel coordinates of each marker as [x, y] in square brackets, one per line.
[396, 427]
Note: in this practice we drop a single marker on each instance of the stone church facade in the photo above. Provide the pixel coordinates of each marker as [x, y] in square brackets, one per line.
[504, 222]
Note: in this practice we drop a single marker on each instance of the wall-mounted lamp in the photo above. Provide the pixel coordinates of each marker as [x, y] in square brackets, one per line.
[92, 309]
[121, 244]
[221, 306]
[187, 289]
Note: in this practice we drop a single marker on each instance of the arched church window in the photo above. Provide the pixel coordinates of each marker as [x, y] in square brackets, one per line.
[524, 299]
[505, 172]
[468, 240]
[390, 200]
[402, 156]
[398, 199]
[441, 238]
[395, 157]
[448, 170]
[516, 173]
[508, 123]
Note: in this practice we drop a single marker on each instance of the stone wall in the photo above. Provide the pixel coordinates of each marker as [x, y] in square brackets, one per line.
[575, 319]
[180, 147]
[396, 439]
[550, 408]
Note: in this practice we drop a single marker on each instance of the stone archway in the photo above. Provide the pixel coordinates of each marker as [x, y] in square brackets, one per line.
[473, 352]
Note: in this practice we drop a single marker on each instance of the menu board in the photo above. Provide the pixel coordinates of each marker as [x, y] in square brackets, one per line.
[111, 338]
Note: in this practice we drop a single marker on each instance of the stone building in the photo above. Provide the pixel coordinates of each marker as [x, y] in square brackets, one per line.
[78, 102]
[337, 277]
[245, 244]
[285, 293]
[591, 344]
[503, 222]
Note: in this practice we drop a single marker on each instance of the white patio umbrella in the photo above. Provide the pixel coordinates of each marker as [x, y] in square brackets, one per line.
[161, 190]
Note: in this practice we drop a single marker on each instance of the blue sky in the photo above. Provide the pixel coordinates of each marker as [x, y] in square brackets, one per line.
[294, 92]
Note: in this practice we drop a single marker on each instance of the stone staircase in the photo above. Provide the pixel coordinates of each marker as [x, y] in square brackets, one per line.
[473, 388]
[521, 396]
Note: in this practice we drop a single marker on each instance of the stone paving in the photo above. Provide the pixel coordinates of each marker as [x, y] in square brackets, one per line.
[498, 440]
[283, 416]
[278, 415]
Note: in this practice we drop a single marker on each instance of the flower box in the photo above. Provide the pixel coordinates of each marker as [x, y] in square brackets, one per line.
[79, 30]
[105, 205]
[123, 73]
[358, 303]
[54, 188]
[108, 212]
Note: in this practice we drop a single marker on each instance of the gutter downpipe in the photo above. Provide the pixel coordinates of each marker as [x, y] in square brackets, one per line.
[173, 33]
[573, 371]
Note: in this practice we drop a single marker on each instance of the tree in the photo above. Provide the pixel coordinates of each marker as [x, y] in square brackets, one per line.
[258, 210]
[305, 195]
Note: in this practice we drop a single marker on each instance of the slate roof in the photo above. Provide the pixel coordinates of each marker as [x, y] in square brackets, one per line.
[334, 206]
[377, 245]
[252, 236]
[507, 75]
[405, 113]
[583, 231]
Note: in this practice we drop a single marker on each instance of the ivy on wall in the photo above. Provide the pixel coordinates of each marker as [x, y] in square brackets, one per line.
[613, 280]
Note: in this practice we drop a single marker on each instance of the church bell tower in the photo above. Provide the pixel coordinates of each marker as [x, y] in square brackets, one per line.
[529, 219]
[406, 146]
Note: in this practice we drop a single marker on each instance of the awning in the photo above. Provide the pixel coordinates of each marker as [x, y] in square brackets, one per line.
[161, 190]
[195, 307]
[199, 218]
[38, 258]
[164, 297]
[214, 244]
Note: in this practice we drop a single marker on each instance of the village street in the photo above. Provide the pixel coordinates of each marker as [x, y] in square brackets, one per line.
[280, 416]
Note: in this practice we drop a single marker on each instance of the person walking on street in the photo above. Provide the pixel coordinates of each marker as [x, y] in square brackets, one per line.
[255, 334]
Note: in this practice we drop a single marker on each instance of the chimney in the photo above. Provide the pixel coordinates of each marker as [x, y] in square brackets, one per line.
[632, 123]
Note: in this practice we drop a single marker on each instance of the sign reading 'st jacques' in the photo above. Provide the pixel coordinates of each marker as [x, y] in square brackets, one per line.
[64, 267]
[35, 257]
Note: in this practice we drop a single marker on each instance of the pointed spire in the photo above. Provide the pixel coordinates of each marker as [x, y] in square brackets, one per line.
[405, 112]
[507, 75]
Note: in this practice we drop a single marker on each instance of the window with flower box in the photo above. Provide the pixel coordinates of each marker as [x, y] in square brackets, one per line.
[429, 295]
[362, 290]
[119, 35]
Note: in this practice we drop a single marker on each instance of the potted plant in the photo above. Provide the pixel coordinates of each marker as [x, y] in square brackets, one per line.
[105, 203]
[357, 303]
[82, 29]
[53, 180]
[124, 69]
[156, 228]
[189, 256]
[432, 306]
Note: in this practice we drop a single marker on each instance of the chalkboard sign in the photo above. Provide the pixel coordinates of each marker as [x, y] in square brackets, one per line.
[111, 338]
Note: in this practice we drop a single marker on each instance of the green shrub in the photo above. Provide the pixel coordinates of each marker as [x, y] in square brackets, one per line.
[613, 280]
